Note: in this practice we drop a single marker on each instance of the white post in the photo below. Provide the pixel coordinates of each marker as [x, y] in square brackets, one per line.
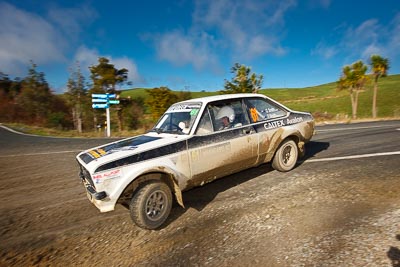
[108, 122]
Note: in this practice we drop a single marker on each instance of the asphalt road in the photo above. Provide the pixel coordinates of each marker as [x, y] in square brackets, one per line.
[339, 206]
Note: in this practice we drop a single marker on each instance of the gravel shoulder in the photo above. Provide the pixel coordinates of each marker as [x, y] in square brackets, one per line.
[336, 213]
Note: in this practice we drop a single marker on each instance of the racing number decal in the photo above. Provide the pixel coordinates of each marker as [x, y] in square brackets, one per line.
[101, 151]
[97, 153]
[254, 114]
[94, 154]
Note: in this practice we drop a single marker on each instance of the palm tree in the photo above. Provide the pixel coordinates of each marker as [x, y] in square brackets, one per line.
[380, 67]
[243, 82]
[353, 79]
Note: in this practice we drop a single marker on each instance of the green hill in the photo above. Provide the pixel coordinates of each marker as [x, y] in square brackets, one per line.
[324, 101]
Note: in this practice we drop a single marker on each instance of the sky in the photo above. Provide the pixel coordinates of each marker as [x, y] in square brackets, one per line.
[192, 45]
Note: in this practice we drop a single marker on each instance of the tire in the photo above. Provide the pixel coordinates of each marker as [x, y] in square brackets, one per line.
[286, 156]
[150, 205]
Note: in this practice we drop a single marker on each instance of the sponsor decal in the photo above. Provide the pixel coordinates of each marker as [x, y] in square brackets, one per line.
[295, 120]
[124, 148]
[280, 123]
[274, 124]
[183, 107]
[254, 114]
[97, 153]
[101, 151]
[194, 112]
[94, 154]
[210, 151]
[107, 175]
[271, 110]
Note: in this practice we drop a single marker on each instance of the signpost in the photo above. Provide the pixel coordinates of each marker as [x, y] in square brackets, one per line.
[104, 101]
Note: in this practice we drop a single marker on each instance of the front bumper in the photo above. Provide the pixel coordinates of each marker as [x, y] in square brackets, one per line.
[92, 194]
[89, 185]
[100, 199]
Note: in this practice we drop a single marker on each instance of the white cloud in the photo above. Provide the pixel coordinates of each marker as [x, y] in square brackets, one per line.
[360, 42]
[372, 37]
[89, 57]
[25, 36]
[86, 57]
[181, 49]
[133, 73]
[251, 28]
[324, 50]
[247, 29]
[70, 20]
[259, 45]
[363, 35]
[393, 47]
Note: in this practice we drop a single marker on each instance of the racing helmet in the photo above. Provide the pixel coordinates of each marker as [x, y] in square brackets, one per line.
[226, 111]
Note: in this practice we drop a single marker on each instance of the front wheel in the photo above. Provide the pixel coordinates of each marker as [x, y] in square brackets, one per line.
[151, 205]
[286, 156]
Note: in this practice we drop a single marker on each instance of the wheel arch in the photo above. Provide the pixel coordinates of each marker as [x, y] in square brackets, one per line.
[147, 177]
[297, 138]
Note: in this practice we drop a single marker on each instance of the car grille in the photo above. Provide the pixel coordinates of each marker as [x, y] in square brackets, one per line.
[85, 175]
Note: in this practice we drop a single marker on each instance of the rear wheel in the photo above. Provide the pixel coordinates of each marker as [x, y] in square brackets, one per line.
[151, 205]
[286, 156]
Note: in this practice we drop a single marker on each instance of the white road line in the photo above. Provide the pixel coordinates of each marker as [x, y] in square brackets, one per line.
[356, 128]
[43, 153]
[355, 156]
[34, 135]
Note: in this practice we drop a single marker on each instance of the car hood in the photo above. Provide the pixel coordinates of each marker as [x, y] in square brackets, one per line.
[97, 156]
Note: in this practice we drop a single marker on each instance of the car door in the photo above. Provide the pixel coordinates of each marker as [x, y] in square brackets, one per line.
[267, 118]
[216, 151]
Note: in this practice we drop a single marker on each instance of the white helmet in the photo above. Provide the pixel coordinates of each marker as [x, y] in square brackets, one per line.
[226, 111]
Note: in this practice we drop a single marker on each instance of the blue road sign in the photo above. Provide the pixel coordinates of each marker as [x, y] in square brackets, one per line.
[99, 100]
[100, 105]
[99, 95]
[113, 101]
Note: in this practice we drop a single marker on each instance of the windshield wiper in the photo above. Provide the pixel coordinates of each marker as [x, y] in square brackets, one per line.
[174, 131]
[157, 130]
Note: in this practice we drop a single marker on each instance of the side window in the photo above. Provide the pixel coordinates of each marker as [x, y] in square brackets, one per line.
[228, 114]
[262, 109]
[205, 124]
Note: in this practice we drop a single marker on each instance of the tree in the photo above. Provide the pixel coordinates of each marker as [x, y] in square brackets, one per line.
[105, 77]
[75, 96]
[353, 79]
[159, 100]
[184, 95]
[59, 114]
[134, 112]
[243, 82]
[379, 67]
[36, 97]
[6, 99]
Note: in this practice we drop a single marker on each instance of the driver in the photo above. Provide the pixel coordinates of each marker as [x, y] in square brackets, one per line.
[226, 116]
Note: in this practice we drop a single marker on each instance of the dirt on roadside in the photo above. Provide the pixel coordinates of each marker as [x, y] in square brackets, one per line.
[340, 215]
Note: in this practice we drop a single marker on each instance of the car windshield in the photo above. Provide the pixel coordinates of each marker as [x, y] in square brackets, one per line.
[178, 119]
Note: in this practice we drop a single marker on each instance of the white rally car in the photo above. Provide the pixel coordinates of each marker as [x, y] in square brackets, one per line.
[194, 142]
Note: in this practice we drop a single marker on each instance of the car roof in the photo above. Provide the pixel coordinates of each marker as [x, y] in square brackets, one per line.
[208, 99]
